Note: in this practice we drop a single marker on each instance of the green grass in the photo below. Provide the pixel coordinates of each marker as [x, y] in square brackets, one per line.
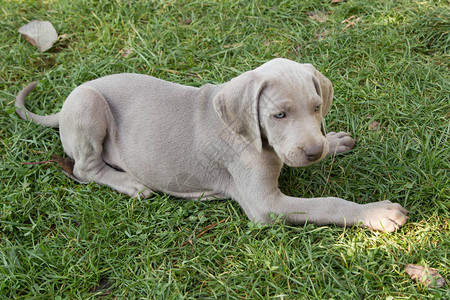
[62, 239]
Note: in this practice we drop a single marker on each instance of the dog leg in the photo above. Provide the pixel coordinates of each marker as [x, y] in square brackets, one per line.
[86, 121]
[258, 194]
[382, 216]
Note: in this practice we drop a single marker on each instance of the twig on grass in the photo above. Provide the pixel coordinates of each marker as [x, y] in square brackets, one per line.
[206, 229]
[350, 23]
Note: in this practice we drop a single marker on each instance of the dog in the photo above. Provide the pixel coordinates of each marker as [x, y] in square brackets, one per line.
[139, 134]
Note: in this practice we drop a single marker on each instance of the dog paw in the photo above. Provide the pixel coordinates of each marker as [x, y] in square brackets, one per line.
[340, 142]
[132, 188]
[383, 216]
[140, 191]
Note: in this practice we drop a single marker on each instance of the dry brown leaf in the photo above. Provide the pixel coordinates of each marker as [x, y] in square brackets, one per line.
[66, 163]
[186, 21]
[426, 276]
[40, 34]
[374, 126]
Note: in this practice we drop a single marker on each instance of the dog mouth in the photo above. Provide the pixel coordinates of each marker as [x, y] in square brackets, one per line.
[299, 158]
[302, 161]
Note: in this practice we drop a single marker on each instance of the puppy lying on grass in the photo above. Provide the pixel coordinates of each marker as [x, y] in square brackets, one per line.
[136, 133]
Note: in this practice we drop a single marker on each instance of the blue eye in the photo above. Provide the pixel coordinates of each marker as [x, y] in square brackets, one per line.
[280, 115]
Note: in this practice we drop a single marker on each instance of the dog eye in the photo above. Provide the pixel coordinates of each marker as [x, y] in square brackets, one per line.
[317, 108]
[280, 115]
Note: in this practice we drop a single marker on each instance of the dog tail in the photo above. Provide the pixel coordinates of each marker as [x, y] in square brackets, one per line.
[24, 113]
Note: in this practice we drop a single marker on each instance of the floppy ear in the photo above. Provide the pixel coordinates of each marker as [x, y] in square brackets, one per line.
[237, 104]
[325, 90]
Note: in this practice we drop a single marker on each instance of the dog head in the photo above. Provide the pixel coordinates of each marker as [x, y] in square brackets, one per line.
[281, 103]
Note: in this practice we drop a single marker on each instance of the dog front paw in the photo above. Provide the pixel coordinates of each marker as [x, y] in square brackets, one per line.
[340, 142]
[383, 216]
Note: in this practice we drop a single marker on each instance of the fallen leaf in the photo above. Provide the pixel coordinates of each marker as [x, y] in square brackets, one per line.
[426, 276]
[186, 21]
[374, 125]
[66, 163]
[40, 34]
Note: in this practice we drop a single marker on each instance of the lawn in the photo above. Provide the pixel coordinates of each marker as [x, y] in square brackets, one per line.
[389, 64]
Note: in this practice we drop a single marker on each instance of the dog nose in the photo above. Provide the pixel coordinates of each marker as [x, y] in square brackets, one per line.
[313, 152]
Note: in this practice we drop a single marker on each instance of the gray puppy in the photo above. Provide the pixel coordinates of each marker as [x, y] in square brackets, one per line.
[136, 133]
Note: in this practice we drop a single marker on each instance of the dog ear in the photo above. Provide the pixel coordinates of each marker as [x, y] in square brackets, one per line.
[324, 89]
[237, 104]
